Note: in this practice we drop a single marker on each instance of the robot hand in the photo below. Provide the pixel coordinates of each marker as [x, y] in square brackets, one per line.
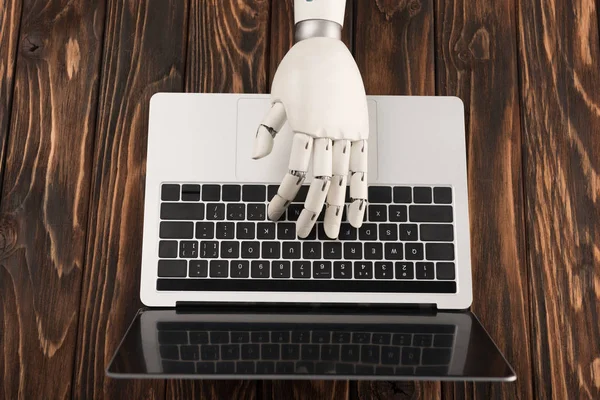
[319, 90]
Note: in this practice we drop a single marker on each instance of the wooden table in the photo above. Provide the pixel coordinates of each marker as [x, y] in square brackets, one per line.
[75, 81]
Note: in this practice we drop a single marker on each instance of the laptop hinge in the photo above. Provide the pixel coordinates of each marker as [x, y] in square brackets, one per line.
[191, 307]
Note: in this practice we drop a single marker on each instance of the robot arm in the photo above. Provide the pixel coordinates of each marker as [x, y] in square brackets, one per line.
[319, 91]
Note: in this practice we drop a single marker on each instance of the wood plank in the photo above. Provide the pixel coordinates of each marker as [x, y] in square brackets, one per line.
[43, 213]
[393, 41]
[227, 53]
[559, 56]
[477, 61]
[10, 21]
[144, 53]
[305, 389]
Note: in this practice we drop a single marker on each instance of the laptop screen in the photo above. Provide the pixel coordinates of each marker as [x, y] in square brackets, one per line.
[308, 345]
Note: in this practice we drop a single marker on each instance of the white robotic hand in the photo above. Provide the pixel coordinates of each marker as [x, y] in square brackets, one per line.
[319, 91]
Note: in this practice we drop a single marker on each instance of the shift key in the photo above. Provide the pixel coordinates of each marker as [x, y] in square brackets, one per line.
[176, 230]
[427, 213]
[182, 211]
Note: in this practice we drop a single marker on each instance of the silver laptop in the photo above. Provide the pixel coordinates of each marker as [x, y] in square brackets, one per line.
[236, 281]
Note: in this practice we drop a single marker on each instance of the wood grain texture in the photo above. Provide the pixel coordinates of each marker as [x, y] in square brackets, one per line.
[227, 51]
[560, 94]
[393, 41]
[396, 390]
[477, 61]
[144, 53]
[43, 213]
[334, 390]
[10, 21]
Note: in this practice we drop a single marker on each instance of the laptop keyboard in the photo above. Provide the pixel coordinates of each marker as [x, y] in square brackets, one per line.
[188, 348]
[217, 237]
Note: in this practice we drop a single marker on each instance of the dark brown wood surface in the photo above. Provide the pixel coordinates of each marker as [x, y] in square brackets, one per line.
[75, 81]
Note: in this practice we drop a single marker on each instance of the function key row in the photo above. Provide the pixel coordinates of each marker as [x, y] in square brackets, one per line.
[243, 269]
[262, 193]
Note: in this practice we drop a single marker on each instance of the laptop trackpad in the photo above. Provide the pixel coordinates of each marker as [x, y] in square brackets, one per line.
[272, 168]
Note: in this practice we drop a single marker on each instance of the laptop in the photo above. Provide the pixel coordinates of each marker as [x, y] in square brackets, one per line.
[230, 294]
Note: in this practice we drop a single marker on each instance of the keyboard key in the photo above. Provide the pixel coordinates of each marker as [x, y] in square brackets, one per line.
[383, 371]
[411, 355]
[260, 337]
[240, 337]
[340, 337]
[230, 352]
[294, 211]
[330, 352]
[377, 213]
[305, 367]
[402, 194]
[364, 369]
[181, 211]
[253, 193]
[265, 367]
[373, 251]
[250, 352]
[439, 251]
[301, 196]
[286, 231]
[236, 212]
[271, 250]
[437, 233]
[445, 271]
[422, 194]
[405, 270]
[176, 230]
[380, 194]
[198, 337]
[350, 353]
[219, 269]
[260, 269]
[172, 337]
[172, 268]
[424, 270]
[209, 249]
[437, 370]
[402, 339]
[347, 232]
[321, 337]
[217, 337]
[269, 352]
[367, 232]
[301, 269]
[190, 353]
[311, 250]
[422, 340]
[225, 368]
[250, 249]
[256, 212]
[205, 230]
[388, 232]
[290, 352]
[322, 269]
[363, 270]
[178, 367]
[390, 355]
[211, 193]
[285, 368]
[361, 337]
[280, 337]
[398, 214]
[230, 249]
[167, 249]
[188, 249]
[169, 192]
[245, 367]
[370, 354]
[205, 368]
[311, 236]
[209, 352]
[393, 251]
[198, 269]
[414, 251]
[332, 250]
[344, 369]
[245, 230]
[231, 193]
[381, 338]
[300, 337]
[443, 340]
[190, 192]
[384, 270]
[352, 250]
[291, 250]
[271, 191]
[342, 270]
[309, 352]
[436, 356]
[442, 195]
[265, 230]
[409, 232]
[280, 269]
[215, 211]
[431, 214]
